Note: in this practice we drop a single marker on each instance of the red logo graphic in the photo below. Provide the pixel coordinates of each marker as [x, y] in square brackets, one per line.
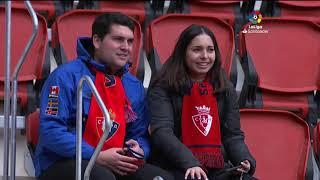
[203, 120]
[54, 90]
[101, 123]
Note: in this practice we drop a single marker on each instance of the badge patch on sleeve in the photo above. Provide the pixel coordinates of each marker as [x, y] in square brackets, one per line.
[53, 111]
[54, 92]
[52, 106]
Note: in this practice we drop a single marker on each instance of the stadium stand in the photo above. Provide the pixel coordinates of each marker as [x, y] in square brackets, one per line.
[282, 68]
[275, 64]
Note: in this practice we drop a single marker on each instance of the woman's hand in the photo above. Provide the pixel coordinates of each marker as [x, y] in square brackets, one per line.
[195, 172]
[245, 167]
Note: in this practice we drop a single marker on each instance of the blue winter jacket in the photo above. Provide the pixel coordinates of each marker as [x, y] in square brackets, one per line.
[57, 134]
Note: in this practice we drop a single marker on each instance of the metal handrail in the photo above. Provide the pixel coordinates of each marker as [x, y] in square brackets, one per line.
[7, 93]
[108, 125]
[15, 88]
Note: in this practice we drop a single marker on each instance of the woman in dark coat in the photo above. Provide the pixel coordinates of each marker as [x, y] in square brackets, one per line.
[195, 121]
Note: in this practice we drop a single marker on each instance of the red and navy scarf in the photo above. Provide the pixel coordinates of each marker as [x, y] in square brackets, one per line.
[113, 95]
[201, 125]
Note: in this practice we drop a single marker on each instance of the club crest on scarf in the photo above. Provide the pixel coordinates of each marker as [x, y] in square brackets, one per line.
[101, 126]
[203, 119]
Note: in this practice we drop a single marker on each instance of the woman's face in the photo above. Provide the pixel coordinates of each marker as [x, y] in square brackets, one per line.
[200, 56]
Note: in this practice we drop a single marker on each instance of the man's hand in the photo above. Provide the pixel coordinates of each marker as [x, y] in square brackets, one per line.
[134, 145]
[115, 160]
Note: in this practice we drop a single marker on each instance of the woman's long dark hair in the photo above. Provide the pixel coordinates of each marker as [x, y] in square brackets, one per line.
[174, 76]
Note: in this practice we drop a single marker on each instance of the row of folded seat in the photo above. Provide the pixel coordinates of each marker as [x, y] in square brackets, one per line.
[143, 9]
[282, 70]
[281, 73]
[53, 9]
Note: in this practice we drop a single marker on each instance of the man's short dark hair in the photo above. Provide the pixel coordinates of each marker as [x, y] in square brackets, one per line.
[102, 24]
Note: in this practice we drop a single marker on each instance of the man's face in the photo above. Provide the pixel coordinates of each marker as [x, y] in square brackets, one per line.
[115, 48]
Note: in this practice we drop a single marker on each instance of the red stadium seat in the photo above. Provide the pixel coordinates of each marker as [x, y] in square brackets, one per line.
[134, 8]
[32, 130]
[138, 9]
[165, 31]
[36, 65]
[279, 141]
[48, 9]
[283, 66]
[227, 10]
[304, 10]
[77, 23]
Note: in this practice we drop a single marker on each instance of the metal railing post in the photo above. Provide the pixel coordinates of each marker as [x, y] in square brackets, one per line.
[7, 93]
[108, 126]
[15, 88]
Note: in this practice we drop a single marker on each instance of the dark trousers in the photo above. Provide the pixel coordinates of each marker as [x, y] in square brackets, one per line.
[65, 170]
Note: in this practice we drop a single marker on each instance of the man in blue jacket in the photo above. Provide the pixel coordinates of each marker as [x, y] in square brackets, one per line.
[104, 58]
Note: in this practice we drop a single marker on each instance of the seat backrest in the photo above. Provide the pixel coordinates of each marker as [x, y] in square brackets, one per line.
[283, 62]
[32, 129]
[48, 9]
[226, 10]
[21, 20]
[282, 56]
[164, 33]
[35, 63]
[135, 9]
[138, 9]
[305, 10]
[77, 23]
[279, 141]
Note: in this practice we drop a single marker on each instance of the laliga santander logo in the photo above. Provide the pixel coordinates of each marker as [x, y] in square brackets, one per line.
[255, 17]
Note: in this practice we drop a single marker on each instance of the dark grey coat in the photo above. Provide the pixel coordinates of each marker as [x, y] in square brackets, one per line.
[167, 149]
